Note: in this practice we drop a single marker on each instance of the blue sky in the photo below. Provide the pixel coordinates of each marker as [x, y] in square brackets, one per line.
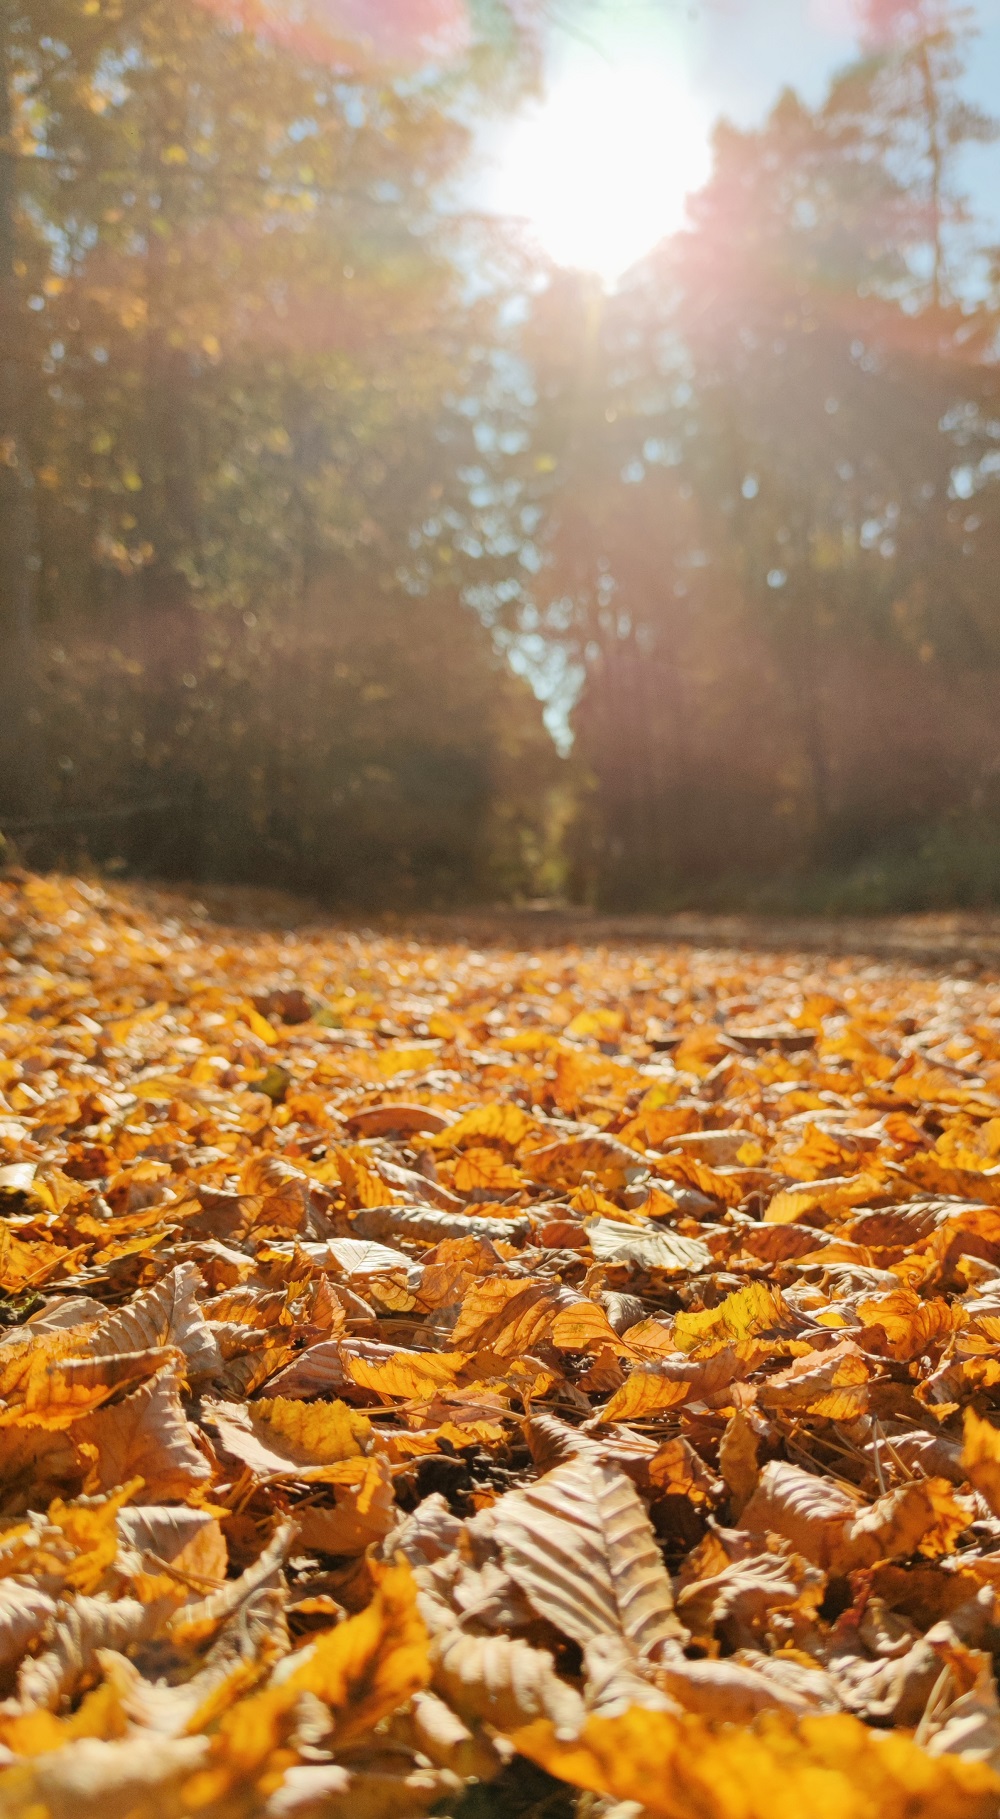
[749, 48]
[746, 50]
[743, 51]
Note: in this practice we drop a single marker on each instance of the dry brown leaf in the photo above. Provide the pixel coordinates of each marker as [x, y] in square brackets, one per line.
[812, 1513]
[920, 1516]
[390, 1789]
[434, 1227]
[652, 1249]
[615, 1679]
[580, 1544]
[831, 1383]
[503, 1681]
[583, 1326]
[396, 1120]
[168, 1314]
[24, 1612]
[508, 1318]
[189, 1542]
[432, 1728]
[92, 1777]
[194, 1623]
[363, 1514]
[145, 1436]
[77, 1631]
[651, 1389]
[738, 1461]
[743, 1594]
[734, 1692]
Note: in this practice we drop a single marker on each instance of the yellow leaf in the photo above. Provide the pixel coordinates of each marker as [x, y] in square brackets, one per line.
[260, 1026]
[371, 1664]
[654, 1388]
[391, 1061]
[563, 1164]
[408, 1374]
[60, 1391]
[502, 1123]
[506, 1317]
[700, 1050]
[477, 1433]
[584, 1327]
[981, 1457]
[362, 1671]
[362, 1185]
[321, 1432]
[603, 1024]
[27, 1265]
[746, 1311]
[37, 1733]
[484, 1168]
[832, 1767]
[911, 1324]
[91, 1530]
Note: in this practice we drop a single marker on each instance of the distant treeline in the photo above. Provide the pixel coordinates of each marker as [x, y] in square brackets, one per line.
[301, 471]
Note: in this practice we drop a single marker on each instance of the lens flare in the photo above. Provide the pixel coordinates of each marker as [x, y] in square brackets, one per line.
[600, 170]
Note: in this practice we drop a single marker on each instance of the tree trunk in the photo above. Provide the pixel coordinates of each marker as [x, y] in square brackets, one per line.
[20, 770]
[935, 161]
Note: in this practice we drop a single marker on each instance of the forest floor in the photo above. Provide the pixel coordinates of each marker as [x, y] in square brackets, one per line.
[968, 939]
[505, 1365]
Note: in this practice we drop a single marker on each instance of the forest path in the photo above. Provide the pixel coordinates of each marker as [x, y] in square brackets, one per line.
[967, 940]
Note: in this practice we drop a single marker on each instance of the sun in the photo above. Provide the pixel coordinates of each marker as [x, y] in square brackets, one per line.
[600, 170]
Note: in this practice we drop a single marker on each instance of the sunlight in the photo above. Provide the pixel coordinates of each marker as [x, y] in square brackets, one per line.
[601, 169]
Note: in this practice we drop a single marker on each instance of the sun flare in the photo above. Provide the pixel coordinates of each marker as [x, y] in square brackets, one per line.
[600, 170]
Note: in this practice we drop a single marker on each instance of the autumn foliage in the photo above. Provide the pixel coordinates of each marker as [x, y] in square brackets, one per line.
[417, 1364]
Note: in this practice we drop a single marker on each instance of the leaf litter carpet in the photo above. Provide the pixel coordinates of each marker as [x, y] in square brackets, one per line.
[478, 1383]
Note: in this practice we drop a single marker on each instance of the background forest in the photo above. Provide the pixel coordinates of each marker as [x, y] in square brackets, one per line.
[305, 465]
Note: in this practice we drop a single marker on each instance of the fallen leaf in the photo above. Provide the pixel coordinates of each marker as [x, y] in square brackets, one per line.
[580, 1544]
[680, 1768]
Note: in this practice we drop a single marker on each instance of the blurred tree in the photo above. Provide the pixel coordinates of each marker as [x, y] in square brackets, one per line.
[18, 551]
[906, 96]
[250, 369]
[756, 536]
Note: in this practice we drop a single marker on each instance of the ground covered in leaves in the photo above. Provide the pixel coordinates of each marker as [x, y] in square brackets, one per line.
[491, 1383]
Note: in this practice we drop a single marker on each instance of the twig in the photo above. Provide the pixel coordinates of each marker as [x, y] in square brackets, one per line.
[91, 814]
